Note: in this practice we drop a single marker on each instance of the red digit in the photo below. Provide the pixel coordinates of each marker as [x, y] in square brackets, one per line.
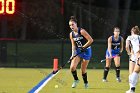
[10, 6]
[1, 6]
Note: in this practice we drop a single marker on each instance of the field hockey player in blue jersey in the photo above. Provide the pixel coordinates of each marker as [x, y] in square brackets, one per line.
[81, 41]
[114, 50]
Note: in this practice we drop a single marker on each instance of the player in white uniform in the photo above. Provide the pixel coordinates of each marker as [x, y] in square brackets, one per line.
[133, 50]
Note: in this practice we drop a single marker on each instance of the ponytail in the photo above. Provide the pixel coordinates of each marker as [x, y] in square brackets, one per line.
[73, 18]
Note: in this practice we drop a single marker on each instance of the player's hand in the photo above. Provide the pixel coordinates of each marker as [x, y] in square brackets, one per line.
[120, 53]
[110, 57]
[71, 58]
[82, 49]
[129, 53]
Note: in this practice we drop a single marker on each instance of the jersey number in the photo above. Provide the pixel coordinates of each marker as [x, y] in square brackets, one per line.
[79, 44]
[115, 47]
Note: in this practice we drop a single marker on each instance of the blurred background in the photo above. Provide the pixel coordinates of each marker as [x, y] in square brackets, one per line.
[38, 30]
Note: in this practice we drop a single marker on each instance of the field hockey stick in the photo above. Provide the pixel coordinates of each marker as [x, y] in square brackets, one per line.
[103, 60]
[70, 60]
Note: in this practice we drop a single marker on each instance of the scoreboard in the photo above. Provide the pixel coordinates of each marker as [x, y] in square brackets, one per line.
[7, 6]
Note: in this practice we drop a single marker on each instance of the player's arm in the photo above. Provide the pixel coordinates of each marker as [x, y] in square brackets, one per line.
[121, 47]
[73, 45]
[88, 37]
[127, 47]
[109, 45]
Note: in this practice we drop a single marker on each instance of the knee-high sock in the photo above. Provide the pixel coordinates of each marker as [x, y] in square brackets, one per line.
[118, 71]
[133, 79]
[74, 73]
[106, 70]
[130, 80]
[85, 78]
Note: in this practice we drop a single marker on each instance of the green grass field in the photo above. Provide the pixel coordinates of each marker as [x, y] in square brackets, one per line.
[21, 80]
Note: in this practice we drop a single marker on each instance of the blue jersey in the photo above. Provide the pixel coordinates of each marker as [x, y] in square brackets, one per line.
[115, 46]
[80, 40]
[116, 43]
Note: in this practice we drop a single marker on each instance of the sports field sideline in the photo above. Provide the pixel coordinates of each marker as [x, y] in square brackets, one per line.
[21, 80]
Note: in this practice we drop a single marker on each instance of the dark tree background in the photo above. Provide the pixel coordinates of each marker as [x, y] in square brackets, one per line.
[48, 19]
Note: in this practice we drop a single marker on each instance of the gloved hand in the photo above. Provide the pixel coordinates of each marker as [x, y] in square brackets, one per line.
[82, 49]
[120, 53]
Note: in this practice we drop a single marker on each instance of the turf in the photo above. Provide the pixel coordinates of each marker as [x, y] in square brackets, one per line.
[21, 80]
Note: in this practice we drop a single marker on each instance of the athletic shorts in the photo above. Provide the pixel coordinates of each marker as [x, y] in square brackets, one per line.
[85, 55]
[133, 58]
[113, 52]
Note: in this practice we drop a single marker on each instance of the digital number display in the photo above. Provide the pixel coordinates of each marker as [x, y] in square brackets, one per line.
[7, 6]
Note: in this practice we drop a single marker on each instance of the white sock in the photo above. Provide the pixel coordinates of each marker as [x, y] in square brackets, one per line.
[130, 81]
[133, 79]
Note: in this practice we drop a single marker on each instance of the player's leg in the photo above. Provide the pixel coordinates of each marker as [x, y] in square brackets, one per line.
[132, 62]
[131, 67]
[86, 57]
[106, 69]
[84, 65]
[73, 66]
[134, 77]
[107, 66]
[117, 68]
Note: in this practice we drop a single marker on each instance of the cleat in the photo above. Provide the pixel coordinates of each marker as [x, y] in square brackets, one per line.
[130, 91]
[104, 80]
[118, 79]
[86, 85]
[75, 83]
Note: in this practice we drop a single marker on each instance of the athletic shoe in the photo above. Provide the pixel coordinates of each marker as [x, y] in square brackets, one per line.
[130, 91]
[86, 85]
[75, 83]
[104, 80]
[118, 79]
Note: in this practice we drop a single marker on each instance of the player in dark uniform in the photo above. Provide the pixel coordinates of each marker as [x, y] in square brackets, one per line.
[81, 42]
[115, 48]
